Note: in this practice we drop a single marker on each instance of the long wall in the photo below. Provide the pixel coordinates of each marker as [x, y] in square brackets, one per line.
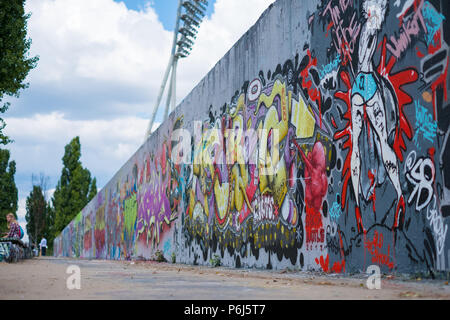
[320, 141]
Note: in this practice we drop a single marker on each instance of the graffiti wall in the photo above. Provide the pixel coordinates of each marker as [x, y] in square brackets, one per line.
[320, 141]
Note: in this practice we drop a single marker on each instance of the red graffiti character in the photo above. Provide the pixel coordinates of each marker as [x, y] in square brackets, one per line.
[315, 176]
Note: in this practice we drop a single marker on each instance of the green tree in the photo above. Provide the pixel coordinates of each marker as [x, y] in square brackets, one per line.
[40, 214]
[36, 215]
[8, 189]
[49, 231]
[15, 62]
[93, 189]
[74, 187]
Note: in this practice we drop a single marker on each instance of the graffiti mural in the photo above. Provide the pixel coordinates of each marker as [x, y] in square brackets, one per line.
[333, 159]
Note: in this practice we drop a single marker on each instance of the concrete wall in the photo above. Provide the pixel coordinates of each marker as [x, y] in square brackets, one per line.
[356, 108]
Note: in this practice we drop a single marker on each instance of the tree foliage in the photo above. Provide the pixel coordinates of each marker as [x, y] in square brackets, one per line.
[36, 215]
[8, 189]
[39, 213]
[15, 62]
[93, 189]
[75, 187]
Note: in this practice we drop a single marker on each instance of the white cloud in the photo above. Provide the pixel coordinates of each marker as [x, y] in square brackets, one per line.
[101, 40]
[21, 211]
[105, 144]
[99, 59]
[49, 194]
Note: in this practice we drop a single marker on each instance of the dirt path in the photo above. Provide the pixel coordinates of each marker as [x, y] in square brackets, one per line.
[45, 278]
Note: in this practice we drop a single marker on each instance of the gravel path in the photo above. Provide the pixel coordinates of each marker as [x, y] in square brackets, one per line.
[46, 278]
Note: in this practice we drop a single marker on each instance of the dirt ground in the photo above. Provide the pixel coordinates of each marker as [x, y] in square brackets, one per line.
[46, 278]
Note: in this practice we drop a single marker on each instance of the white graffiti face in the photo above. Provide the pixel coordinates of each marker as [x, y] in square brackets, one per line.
[420, 173]
[332, 229]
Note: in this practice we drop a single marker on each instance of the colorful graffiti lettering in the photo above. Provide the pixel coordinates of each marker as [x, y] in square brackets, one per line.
[425, 125]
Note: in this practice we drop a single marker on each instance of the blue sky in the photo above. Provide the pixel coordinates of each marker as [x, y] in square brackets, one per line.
[100, 68]
[166, 9]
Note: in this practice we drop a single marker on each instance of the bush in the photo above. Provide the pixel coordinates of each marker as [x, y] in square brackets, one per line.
[159, 256]
[215, 262]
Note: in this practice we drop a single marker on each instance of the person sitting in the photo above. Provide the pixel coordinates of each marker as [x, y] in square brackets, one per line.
[14, 233]
[13, 226]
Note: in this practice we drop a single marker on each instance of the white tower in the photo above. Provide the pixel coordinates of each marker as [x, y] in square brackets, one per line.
[191, 13]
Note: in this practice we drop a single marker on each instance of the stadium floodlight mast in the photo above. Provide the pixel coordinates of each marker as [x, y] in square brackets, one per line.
[190, 14]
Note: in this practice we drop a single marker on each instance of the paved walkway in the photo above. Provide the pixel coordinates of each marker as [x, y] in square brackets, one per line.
[46, 278]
